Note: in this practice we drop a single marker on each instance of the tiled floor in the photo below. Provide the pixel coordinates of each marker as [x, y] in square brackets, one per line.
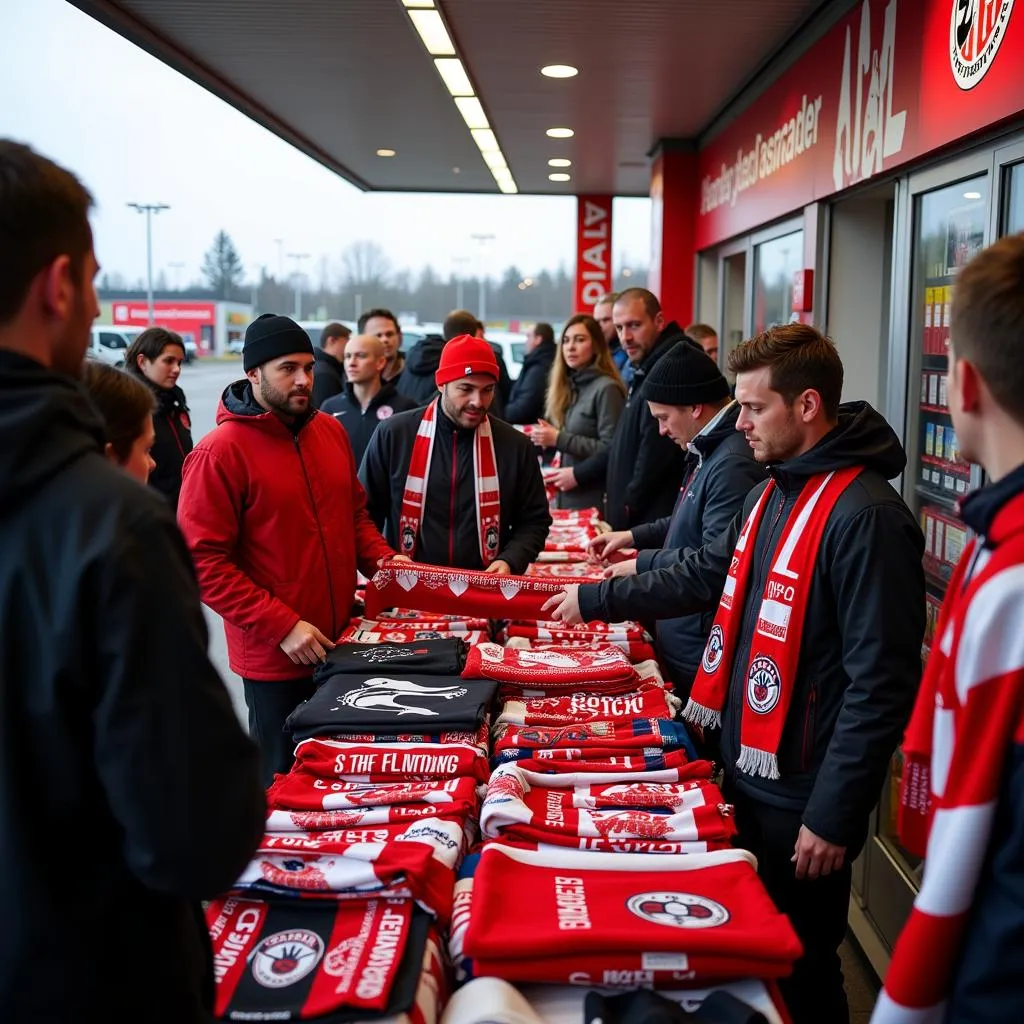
[861, 983]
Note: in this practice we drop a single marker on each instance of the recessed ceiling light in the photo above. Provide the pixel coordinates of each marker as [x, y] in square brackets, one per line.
[385, 152]
[559, 71]
[972, 195]
[560, 133]
[559, 161]
[433, 33]
[559, 177]
[418, 3]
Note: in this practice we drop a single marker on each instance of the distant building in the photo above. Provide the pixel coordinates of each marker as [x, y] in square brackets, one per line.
[211, 324]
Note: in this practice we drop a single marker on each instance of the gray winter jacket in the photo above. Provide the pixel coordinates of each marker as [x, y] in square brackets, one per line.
[588, 430]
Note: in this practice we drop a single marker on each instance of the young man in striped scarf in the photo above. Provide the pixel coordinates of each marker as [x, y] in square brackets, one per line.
[814, 656]
[961, 955]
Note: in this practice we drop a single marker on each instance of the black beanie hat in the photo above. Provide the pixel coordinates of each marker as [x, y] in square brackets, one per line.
[685, 375]
[270, 336]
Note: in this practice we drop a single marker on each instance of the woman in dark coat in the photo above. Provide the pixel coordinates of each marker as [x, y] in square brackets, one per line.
[585, 400]
[155, 357]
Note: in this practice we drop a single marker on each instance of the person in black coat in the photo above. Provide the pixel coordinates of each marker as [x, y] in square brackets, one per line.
[688, 396]
[129, 792]
[644, 469]
[417, 379]
[366, 399]
[529, 392]
[449, 533]
[858, 661]
[155, 357]
[328, 371]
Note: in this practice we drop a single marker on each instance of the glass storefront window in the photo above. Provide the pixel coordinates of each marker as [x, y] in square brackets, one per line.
[775, 263]
[949, 229]
[1015, 205]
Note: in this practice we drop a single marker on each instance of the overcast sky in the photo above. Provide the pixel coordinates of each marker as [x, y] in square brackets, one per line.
[136, 131]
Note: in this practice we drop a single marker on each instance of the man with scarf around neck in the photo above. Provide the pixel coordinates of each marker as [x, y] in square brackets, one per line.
[451, 485]
[275, 518]
[961, 955]
[814, 657]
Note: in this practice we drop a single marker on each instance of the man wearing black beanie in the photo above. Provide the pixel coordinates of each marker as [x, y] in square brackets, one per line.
[688, 396]
[276, 520]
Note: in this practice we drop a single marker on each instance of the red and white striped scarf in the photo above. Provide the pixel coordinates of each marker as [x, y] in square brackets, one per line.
[775, 646]
[485, 480]
[969, 712]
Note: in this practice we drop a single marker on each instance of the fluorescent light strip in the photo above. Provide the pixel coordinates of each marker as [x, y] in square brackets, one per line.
[454, 76]
[433, 33]
[430, 27]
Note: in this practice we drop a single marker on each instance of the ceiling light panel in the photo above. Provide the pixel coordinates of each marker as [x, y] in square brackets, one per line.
[559, 176]
[429, 24]
[454, 76]
[559, 161]
[433, 33]
[560, 133]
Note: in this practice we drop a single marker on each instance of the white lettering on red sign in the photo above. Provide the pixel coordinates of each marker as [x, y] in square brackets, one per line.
[768, 154]
[867, 130]
[594, 258]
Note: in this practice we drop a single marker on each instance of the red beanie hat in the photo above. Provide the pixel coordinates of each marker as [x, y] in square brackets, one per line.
[463, 356]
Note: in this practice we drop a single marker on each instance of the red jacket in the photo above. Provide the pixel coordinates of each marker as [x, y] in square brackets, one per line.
[277, 525]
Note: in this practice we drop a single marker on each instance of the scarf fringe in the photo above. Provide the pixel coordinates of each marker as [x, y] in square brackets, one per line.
[758, 762]
[705, 717]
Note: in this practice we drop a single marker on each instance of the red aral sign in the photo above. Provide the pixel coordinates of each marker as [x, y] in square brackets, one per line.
[593, 250]
[893, 80]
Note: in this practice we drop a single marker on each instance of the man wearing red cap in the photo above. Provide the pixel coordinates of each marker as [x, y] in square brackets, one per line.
[450, 485]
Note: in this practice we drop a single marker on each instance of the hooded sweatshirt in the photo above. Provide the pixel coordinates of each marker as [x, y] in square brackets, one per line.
[860, 654]
[276, 521]
[128, 791]
[417, 380]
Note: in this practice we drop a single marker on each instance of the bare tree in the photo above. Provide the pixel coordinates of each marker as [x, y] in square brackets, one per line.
[365, 267]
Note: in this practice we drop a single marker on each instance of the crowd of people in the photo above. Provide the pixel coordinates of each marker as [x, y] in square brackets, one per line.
[756, 534]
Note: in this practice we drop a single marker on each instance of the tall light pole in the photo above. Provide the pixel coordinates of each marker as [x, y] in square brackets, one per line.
[149, 209]
[298, 257]
[482, 302]
[459, 261]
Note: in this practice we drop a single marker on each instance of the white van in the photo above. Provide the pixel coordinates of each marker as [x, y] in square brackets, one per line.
[109, 344]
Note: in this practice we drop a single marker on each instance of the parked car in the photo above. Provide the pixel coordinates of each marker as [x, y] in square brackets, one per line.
[513, 349]
[235, 346]
[109, 344]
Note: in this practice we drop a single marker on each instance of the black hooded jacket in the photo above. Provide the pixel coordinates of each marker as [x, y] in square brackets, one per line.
[128, 790]
[449, 530]
[526, 402]
[718, 477]
[644, 468]
[172, 429]
[328, 377]
[417, 380]
[860, 655]
[360, 423]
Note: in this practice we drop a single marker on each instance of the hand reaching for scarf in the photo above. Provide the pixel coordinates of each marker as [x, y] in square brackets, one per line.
[815, 858]
[565, 607]
[500, 567]
[606, 544]
[627, 568]
[563, 479]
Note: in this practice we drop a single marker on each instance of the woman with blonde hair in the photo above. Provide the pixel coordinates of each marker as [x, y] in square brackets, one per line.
[585, 399]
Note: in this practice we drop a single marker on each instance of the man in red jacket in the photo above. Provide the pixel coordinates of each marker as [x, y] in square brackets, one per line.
[276, 521]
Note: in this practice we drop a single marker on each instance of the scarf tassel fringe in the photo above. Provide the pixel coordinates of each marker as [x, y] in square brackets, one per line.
[705, 717]
[758, 762]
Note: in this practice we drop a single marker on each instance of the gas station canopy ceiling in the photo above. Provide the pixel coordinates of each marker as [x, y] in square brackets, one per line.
[342, 79]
